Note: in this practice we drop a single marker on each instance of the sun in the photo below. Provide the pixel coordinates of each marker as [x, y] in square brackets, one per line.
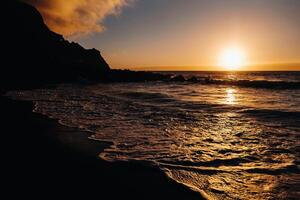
[232, 59]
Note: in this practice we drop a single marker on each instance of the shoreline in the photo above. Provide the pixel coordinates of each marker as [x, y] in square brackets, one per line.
[43, 155]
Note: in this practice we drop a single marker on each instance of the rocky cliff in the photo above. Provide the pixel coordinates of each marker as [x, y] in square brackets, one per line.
[33, 55]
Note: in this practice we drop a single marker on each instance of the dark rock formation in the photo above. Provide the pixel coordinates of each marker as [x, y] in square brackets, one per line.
[178, 78]
[193, 79]
[32, 55]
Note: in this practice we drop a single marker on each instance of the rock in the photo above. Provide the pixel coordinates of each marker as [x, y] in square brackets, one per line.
[193, 79]
[33, 55]
[178, 78]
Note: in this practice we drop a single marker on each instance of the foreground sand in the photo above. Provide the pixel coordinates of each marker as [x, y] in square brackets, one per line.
[42, 157]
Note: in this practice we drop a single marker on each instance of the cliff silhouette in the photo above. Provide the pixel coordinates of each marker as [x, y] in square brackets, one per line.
[33, 55]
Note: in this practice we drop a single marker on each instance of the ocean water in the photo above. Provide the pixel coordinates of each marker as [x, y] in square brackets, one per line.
[227, 141]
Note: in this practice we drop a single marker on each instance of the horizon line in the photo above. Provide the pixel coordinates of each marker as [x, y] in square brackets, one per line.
[278, 67]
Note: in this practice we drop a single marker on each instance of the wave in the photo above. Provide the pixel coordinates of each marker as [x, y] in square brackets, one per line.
[250, 83]
[271, 112]
[215, 162]
[145, 95]
[284, 118]
[284, 170]
[235, 164]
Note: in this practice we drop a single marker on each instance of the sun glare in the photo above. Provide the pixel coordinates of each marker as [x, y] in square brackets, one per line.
[232, 59]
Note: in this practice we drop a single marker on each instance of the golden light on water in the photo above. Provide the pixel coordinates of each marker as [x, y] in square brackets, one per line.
[230, 96]
[232, 59]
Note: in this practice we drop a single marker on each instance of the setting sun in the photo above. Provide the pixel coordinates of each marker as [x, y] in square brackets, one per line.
[232, 59]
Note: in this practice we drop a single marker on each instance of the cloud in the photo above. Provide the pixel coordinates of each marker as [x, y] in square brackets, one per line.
[77, 17]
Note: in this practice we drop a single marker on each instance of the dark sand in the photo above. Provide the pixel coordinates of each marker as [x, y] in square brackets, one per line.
[41, 159]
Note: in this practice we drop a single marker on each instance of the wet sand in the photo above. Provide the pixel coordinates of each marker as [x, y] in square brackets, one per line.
[42, 158]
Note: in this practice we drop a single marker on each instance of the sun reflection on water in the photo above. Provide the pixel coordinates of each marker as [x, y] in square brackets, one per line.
[230, 96]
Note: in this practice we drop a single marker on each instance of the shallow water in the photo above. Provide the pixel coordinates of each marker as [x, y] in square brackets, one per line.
[227, 142]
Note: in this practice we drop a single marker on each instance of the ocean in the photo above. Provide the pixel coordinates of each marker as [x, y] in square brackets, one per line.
[235, 137]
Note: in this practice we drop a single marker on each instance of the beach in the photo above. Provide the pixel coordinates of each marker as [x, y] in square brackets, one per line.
[42, 157]
[220, 140]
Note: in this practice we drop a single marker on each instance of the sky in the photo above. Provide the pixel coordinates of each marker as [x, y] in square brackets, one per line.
[192, 34]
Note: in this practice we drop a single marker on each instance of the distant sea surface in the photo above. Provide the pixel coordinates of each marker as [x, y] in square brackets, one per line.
[226, 141]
